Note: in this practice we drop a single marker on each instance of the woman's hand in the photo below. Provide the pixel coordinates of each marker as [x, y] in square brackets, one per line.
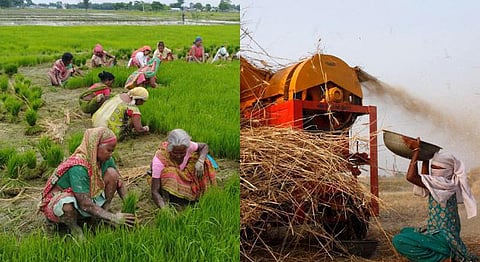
[123, 219]
[199, 167]
[413, 144]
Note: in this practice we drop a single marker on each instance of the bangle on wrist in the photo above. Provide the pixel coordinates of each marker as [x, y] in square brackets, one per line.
[416, 149]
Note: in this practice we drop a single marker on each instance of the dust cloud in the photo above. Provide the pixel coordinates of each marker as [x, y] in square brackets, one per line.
[454, 131]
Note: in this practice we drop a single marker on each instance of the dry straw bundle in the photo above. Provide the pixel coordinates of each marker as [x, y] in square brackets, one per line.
[295, 187]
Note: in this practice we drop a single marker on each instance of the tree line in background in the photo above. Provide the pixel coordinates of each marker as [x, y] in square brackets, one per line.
[223, 6]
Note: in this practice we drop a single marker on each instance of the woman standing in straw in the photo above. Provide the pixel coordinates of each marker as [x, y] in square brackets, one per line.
[85, 183]
[181, 171]
[445, 187]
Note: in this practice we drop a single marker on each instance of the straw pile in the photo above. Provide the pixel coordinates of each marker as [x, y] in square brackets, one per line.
[295, 187]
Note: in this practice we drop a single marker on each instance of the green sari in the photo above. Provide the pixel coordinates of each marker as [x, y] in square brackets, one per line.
[439, 240]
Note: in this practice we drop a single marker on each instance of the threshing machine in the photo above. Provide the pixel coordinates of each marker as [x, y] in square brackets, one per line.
[321, 93]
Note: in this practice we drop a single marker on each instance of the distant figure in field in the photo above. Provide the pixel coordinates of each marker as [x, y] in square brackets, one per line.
[222, 54]
[61, 70]
[197, 52]
[84, 185]
[97, 94]
[163, 53]
[181, 170]
[445, 187]
[145, 76]
[121, 114]
[102, 58]
[140, 57]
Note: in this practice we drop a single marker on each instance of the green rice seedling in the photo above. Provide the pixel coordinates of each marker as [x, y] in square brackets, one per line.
[3, 83]
[206, 231]
[13, 105]
[130, 203]
[16, 166]
[5, 154]
[31, 117]
[212, 117]
[36, 104]
[10, 69]
[74, 141]
[54, 156]
[44, 144]
[45, 44]
[30, 159]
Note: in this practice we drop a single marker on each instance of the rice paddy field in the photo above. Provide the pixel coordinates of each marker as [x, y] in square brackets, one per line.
[41, 125]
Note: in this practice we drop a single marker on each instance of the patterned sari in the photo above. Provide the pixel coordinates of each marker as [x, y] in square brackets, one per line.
[184, 183]
[141, 76]
[85, 155]
[59, 73]
[439, 240]
[92, 105]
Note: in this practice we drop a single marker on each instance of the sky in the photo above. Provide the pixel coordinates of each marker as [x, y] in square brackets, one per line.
[203, 2]
[428, 50]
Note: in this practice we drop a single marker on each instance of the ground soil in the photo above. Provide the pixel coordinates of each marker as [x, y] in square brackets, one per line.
[60, 117]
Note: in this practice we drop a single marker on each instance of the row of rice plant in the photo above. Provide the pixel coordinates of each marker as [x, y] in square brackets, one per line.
[203, 99]
[207, 231]
[41, 44]
[18, 94]
[14, 164]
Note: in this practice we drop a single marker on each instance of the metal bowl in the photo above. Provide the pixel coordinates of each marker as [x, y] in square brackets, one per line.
[395, 143]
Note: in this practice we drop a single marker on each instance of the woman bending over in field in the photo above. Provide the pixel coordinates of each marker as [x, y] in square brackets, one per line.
[62, 69]
[145, 76]
[445, 187]
[121, 113]
[101, 57]
[97, 94]
[85, 183]
[140, 57]
[181, 171]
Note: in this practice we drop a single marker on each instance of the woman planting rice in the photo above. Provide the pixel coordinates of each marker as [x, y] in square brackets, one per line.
[145, 76]
[163, 53]
[101, 57]
[61, 70]
[97, 94]
[140, 57]
[181, 171]
[196, 53]
[445, 187]
[85, 183]
[121, 113]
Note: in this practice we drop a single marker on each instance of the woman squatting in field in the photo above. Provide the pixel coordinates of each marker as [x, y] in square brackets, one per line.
[446, 186]
[84, 184]
[162, 52]
[92, 99]
[181, 171]
[197, 52]
[102, 58]
[121, 113]
[61, 70]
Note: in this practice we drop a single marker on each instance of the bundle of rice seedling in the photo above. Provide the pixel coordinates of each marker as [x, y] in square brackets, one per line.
[296, 186]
